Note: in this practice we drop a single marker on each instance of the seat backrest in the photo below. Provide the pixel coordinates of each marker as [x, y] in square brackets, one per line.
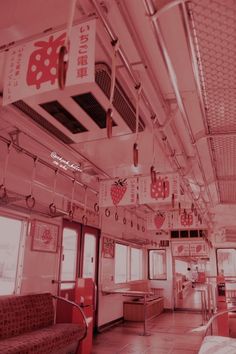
[25, 313]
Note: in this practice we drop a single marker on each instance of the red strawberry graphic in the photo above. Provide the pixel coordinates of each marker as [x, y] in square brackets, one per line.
[159, 219]
[180, 249]
[118, 190]
[198, 248]
[42, 65]
[186, 219]
[160, 188]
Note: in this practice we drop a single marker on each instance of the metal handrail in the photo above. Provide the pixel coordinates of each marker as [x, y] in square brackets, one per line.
[85, 321]
[220, 313]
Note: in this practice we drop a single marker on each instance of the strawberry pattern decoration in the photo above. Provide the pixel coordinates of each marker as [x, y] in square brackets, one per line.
[118, 189]
[160, 188]
[186, 219]
[159, 219]
[43, 61]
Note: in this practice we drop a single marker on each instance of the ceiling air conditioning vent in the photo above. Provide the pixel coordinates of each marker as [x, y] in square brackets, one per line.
[230, 235]
[63, 116]
[93, 108]
[78, 113]
[40, 120]
[121, 101]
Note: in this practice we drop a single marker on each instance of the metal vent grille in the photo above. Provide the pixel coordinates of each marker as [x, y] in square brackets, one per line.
[230, 235]
[227, 191]
[22, 106]
[224, 149]
[121, 102]
[215, 42]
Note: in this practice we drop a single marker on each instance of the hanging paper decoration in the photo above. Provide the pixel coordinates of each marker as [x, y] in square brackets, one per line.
[161, 220]
[180, 249]
[32, 68]
[159, 192]
[116, 192]
[199, 249]
[185, 219]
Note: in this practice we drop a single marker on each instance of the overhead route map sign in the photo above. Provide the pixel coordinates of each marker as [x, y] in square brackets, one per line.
[31, 68]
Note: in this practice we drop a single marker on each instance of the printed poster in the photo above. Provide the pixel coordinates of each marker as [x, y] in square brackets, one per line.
[185, 219]
[116, 192]
[108, 247]
[161, 191]
[180, 249]
[198, 249]
[31, 68]
[161, 220]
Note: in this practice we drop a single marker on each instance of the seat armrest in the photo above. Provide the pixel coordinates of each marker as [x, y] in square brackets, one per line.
[79, 308]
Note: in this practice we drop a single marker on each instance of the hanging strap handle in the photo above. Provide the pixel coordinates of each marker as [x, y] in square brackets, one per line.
[84, 217]
[135, 146]
[3, 191]
[152, 168]
[71, 211]
[63, 57]
[30, 200]
[52, 206]
[109, 113]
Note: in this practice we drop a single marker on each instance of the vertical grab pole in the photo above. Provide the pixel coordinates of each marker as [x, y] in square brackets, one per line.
[145, 333]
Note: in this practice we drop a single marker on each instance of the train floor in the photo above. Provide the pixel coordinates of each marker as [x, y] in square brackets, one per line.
[170, 333]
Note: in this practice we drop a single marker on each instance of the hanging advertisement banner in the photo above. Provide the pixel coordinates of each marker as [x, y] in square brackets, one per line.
[199, 249]
[161, 220]
[180, 249]
[118, 192]
[185, 219]
[32, 68]
[161, 191]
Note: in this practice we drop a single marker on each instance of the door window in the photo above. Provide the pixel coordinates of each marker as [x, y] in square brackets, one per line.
[10, 237]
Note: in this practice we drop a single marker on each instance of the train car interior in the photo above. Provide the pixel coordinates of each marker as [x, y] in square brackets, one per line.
[117, 176]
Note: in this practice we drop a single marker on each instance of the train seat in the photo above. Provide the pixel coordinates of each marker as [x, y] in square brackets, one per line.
[27, 326]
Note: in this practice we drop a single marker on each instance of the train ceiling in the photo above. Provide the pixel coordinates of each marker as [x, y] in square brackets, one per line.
[178, 55]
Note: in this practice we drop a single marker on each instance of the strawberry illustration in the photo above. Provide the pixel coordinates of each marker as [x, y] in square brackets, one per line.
[160, 188]
[159, 219]
[198, 248]
[118, 190]
[180, 249]
[186, 219]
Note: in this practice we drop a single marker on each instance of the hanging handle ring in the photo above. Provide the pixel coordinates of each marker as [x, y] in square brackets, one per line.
[30, 200]
[3, 191]
[63, 58]
[52, 206]
[62, 66]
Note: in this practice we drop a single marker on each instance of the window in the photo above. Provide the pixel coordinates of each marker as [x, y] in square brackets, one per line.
[136, 264]
[226, 261]
[10, 238]
[69, 259]
[157, 264]
[121, 263]
[89, 256]
[128, 263]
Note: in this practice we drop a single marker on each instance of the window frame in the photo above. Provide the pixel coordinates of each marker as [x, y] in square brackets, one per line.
[128, 263]
[165, 264]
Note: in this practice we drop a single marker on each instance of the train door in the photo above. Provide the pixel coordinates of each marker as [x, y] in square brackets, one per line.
[79, 259]
[89, 260]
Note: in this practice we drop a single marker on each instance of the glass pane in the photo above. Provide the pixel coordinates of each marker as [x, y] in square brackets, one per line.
[136, 264]
[226, 259]
[9, 249]
[69, 258]
[121, 263]
[157, 264]
[89, 256]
